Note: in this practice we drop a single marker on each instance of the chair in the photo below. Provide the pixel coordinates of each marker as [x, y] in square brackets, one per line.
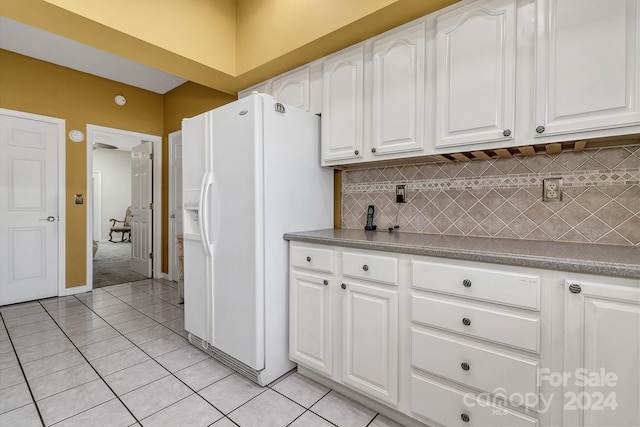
[125, 228]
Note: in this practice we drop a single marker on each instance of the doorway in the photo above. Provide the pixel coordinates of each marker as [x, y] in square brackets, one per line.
[110, 152]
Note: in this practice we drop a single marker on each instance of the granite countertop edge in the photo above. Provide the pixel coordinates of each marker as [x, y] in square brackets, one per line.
[547, 258]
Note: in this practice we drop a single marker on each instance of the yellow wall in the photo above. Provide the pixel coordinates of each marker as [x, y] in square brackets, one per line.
[202, 30]
[226, 45]
[269, 30]
[38, 87]
[185, 101]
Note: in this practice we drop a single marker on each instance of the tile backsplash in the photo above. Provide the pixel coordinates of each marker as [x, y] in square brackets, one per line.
[503, 197]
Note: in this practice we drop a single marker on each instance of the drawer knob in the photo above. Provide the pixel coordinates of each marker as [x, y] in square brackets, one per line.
[356, 152]
[507, 132]
[466, 283]
[325, 282]
[365, 267]
[343, 286]
[465, 417]
[466, 321]
[373, 150]
[308, 259]
[465, 366]
[540, 129]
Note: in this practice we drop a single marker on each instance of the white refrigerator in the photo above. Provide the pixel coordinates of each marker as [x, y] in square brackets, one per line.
[251, 172]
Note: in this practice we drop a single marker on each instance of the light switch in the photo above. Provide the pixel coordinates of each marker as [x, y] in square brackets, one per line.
[79, 199]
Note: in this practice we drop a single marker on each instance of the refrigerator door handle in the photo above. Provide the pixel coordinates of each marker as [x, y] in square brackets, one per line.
[207, 182]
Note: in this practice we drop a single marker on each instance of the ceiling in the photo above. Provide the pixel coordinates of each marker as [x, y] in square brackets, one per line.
[36, 43]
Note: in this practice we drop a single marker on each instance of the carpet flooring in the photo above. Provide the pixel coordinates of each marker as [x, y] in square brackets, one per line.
[112, 265]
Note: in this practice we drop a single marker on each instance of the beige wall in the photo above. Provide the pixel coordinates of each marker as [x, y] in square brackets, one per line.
[503, 197]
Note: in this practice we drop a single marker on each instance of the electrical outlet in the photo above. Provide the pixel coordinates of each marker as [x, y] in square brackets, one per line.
[552, 190]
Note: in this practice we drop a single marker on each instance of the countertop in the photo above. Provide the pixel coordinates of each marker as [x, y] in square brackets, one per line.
[607, 260]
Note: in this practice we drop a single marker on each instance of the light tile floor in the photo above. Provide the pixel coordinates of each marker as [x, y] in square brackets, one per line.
[118, 356]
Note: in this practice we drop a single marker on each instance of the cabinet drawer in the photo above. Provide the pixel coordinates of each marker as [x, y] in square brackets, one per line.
[448, 406]
[370, 267]
[486, 323]
[520, 290]
[485, 368]
[312, 258]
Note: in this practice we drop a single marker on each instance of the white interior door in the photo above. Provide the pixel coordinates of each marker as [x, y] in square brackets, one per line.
[175, 201]
[28, 209]
[141, 202]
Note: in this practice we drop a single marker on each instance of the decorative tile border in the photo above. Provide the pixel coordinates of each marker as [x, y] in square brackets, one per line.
[501, 197]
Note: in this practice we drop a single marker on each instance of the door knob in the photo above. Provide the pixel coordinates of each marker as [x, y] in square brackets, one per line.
[49, 218]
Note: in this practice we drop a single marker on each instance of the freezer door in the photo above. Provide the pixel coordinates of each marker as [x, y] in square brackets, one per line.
[236, 229]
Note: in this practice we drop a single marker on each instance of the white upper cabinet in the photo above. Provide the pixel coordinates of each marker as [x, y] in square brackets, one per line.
[293, 88]
[588, 70]
[398, 95]
[343, 104]
[475, 76]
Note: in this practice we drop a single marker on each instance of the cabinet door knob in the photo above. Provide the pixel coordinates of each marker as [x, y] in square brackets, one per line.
[365, 267]
[343, 286]
[465, 366]
[373, 150]
[356, 152]
[325, 282]
[507, 132]
[540, 129]
[575, 288]
[308, 259]
[465, 417]
[466, 283]
[466, 321]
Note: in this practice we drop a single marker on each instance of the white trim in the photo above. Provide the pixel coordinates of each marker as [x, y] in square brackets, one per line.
[157, 197]
[97, 175]
[62, 186]
[171, 242]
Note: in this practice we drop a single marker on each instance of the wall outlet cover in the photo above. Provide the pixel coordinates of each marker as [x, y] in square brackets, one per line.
[552, 190]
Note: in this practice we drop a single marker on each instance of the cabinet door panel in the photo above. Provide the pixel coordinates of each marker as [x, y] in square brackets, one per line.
[580, 88]
[293, 88]
[602, 338]
[310, 322]
[398, 91]
[343, 103]
[370, 341]
[476, 73]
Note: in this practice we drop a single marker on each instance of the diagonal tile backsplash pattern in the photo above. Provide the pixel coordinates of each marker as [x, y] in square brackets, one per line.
[503, 197]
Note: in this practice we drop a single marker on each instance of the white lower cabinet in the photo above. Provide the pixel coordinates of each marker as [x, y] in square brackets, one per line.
[310, 337]
[602, 351]
[461, 343]
[370, 340]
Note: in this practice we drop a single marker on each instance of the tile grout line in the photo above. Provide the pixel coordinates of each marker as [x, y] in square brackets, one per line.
[33, 400]
[92, 367]
[309, 408]
[154, 359]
